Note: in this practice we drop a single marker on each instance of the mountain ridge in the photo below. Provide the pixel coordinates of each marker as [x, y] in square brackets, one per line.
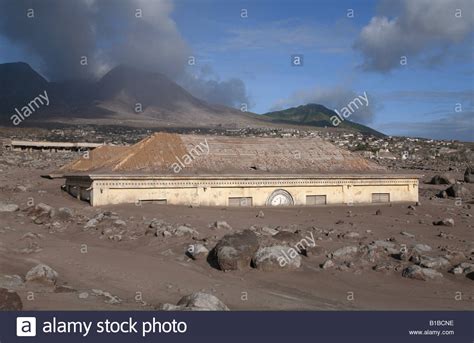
[318, 116]
[126, 95]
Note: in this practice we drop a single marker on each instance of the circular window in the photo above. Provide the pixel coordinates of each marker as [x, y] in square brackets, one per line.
[280, 197]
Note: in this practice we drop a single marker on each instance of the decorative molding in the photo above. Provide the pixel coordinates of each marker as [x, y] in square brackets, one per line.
[241, 183]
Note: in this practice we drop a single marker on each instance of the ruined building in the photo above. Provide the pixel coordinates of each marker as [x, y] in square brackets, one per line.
[232, 171]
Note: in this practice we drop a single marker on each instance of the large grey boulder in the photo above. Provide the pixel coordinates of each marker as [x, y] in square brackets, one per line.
[419, 273]
[276, 257]
[235, 251]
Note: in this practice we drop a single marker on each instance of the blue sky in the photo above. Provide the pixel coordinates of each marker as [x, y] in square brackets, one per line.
[414, 58]
[258, 50]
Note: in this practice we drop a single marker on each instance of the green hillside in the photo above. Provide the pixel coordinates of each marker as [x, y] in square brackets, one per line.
[316, 115]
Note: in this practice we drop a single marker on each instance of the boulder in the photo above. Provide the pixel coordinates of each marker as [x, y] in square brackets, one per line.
[276, 257]
[442, 180]
[422, 247]
[269, 231]
[171, 307]
[91, 223]
[42, 273]
[469, 174]
[64, 213]
[202, 301]
[183, 230]
[43, 209]
[344, 252]
[197, 251]
[288, 237]
[410, 235]
[157, 223]
[433, 262]
[235, 251]
[10, 300]
[442, 194]
[221, 225]
[8, 207]
[351, 235]
[11, 282]
[463, 268]
[419, 273]
[107, 296]
[327, 264]
[458, 191]
[444, 222]
[120, 222]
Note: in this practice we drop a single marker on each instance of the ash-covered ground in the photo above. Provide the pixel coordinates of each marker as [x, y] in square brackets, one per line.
[59, 253]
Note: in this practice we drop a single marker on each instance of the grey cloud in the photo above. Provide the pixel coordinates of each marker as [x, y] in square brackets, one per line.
[423, 28]
[107, 33]
[139, 33]
[334, 98]
[207, 86]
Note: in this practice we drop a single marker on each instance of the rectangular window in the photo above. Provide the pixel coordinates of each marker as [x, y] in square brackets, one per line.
[315, 200]
[154, 201]
[240, 201]
[380, 197]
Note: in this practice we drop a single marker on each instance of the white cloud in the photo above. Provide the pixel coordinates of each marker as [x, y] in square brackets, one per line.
[423, 28]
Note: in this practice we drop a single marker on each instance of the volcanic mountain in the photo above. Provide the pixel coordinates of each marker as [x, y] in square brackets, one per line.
[124, 95]
[129, 96]
[316, 115]
[18, 82]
